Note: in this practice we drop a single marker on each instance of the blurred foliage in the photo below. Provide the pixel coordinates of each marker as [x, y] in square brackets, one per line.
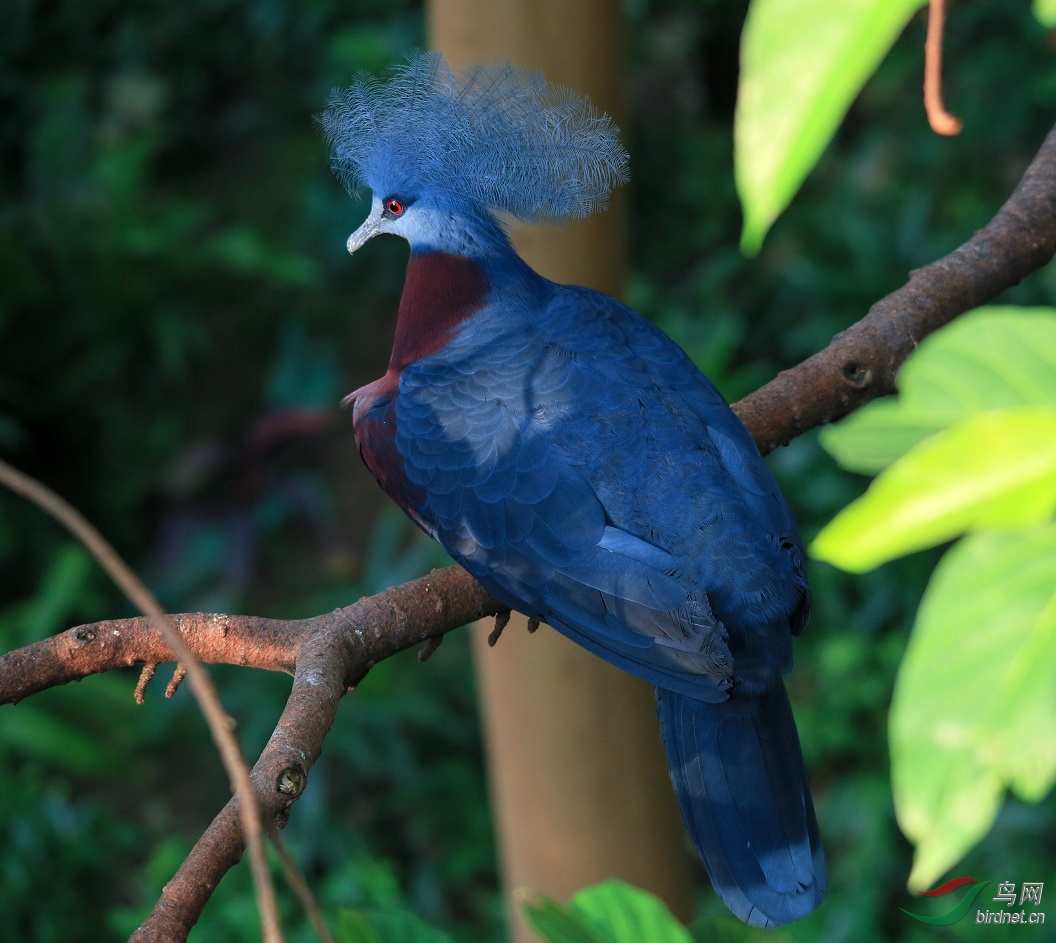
[1045, 11]
[178, 319]
[385, 926]
[968, 448]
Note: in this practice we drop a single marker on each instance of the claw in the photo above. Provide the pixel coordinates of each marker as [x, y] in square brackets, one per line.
[426, 651]
[502, 619]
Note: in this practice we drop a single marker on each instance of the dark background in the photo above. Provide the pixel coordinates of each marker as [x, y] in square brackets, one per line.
[179, 319]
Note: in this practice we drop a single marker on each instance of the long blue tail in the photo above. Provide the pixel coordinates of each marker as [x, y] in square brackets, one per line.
[738, 774]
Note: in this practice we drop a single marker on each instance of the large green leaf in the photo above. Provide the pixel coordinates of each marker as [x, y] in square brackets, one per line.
[802, 64]
[1045, 11]
[991, 471]
[622, 913]
[555, 922]
[993, 358]
[610, 912]
[974, 701]
[45, 736]
[971, 444]
[872, 438]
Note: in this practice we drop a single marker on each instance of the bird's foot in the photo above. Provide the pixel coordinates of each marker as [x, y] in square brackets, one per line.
[426, 651]
[502, 619]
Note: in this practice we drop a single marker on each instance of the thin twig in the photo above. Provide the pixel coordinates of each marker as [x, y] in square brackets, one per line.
[296, 880]
[941, 121]
[176, 680]
[218, 721]
[145, 677]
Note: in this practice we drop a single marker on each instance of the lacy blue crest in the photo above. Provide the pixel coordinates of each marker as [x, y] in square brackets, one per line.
[497, 136]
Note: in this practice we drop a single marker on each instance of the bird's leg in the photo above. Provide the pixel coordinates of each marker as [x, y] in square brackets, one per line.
[533, 624]
[502, 619]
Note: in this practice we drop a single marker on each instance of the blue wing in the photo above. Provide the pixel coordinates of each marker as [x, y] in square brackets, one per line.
[571, 457]
[575, 461]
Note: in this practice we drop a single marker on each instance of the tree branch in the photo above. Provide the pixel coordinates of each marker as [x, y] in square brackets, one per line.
[861, 362]
[204, 692]
[331, 653]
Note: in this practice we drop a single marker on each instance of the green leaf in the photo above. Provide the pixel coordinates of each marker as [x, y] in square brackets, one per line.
[556, 923]
[802, 64]
[872, 438]
[993, 358]
[1045, 11]
[991, 471]
[44, 736]
[622, 913]
[973, 704]
[60, 589]
[610, 912]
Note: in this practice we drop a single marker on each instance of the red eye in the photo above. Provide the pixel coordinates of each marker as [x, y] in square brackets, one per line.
[394, 206]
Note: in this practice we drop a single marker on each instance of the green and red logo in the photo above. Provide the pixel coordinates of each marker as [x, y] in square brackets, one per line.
[959, 910]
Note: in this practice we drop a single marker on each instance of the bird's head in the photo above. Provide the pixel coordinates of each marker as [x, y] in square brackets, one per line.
[443, 152]
[427, 223]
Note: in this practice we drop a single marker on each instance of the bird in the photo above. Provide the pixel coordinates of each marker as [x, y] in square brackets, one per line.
[570, 455]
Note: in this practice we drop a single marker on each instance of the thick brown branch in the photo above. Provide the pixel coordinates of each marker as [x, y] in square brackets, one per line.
[861, 362]
[279, 778]
[204, 692]
[335, 652]
[120, 643]
[327, 655]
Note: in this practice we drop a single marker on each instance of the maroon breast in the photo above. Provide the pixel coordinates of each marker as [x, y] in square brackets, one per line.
[439, 293]
[374, 422]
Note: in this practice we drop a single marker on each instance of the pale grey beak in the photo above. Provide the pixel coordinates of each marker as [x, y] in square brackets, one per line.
[371, 226]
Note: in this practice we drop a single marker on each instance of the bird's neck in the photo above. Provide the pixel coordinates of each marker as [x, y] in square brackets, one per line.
[440, 293]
